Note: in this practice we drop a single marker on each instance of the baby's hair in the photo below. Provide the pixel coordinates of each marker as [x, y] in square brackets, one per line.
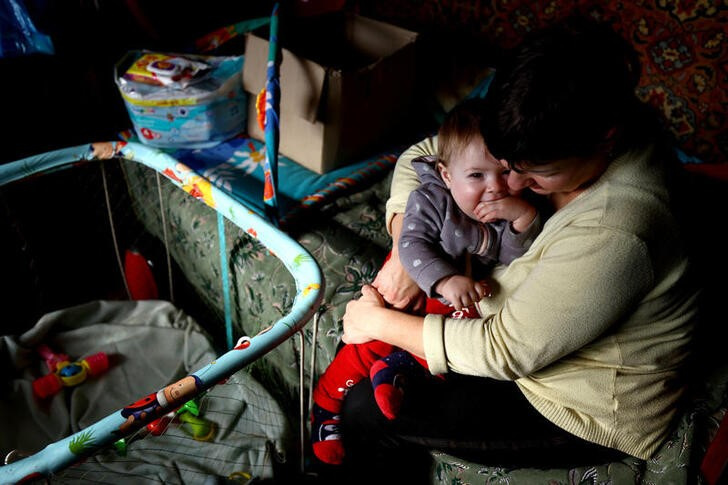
[462, 125]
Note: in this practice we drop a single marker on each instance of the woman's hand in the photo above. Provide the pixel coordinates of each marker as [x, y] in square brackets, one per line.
[359, 314]
[393, 282]
[397, 288]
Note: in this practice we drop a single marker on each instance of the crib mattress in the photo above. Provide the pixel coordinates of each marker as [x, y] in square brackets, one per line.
[149, 343]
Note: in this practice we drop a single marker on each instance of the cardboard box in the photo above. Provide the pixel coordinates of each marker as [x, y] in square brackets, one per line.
[347, 83]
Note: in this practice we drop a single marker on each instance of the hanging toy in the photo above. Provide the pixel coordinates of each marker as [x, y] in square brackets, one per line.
[260, 109]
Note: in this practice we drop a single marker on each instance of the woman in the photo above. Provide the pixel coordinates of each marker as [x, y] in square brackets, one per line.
[578, 356]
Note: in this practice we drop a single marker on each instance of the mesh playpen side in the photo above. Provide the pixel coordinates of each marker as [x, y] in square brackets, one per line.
[219, 422]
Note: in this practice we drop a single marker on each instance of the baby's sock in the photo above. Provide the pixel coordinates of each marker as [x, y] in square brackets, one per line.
[325, 436]
[388, 376]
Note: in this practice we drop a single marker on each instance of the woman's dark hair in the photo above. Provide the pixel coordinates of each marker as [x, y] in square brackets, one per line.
[561, 93]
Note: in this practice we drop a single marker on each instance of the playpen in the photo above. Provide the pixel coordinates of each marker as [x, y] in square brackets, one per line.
[203, 420]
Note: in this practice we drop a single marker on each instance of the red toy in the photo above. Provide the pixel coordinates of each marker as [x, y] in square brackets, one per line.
[139, 276]
[66, 373]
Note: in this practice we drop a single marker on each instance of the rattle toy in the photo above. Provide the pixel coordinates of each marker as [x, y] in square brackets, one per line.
[63, 372]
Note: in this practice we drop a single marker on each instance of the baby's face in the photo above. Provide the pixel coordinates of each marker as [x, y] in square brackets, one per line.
[475, 176]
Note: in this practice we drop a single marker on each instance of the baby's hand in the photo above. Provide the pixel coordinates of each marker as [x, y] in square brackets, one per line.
[461, 291]
[514, 209]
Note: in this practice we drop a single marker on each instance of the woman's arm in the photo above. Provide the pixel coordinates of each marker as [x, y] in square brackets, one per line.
[548, 316]
[368, 319]
[579, 286]
[405, 180]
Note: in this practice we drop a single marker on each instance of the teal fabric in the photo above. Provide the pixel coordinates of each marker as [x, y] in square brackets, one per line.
[236, 167]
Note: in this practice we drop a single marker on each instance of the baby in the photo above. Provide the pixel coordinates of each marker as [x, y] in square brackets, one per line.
[462, 212]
